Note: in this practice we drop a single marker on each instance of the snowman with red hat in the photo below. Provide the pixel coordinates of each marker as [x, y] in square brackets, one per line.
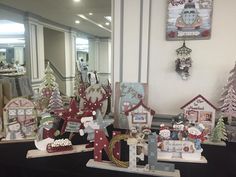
[196, 135]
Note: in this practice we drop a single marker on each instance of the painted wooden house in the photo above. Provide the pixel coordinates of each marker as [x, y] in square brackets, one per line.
[20, 120]
[199, 109]
[140, 116]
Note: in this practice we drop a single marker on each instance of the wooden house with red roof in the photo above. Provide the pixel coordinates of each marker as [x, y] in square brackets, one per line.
[140, 116]
[199, 109]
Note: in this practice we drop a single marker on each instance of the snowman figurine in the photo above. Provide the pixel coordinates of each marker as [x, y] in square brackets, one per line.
[196, 135]
[164, 133]
[88, 126]
[14, 131]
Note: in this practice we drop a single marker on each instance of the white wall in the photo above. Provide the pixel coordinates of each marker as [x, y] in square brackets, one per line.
[212, 59]
[54, 46]
[19, 54]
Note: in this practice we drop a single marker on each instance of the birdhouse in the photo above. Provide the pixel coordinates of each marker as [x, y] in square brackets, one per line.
[140, 116]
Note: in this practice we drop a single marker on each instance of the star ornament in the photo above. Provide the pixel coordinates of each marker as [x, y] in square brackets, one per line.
[70, 114]
[103, 123]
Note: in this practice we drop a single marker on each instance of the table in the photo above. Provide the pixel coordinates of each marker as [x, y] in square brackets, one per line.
[13, 163]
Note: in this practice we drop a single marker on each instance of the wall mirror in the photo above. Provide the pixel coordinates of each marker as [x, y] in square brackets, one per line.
[12, 42]
[90, 20]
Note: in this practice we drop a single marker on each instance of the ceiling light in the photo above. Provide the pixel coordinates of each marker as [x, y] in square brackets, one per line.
[93, 22]
[76, 0]
[77, 21]
[108, 18]
[107, 23]
[100, 25]
[90, 13]
[82, 16]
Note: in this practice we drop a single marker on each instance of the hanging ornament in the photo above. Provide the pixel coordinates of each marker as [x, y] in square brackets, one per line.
[183, 62]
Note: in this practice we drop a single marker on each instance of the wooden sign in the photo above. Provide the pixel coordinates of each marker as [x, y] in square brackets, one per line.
[72, 126]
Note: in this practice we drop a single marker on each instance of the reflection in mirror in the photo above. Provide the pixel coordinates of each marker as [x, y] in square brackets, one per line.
[12, 46]
[94, 54]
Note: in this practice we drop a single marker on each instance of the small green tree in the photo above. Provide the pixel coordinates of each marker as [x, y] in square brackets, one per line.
[219, 132]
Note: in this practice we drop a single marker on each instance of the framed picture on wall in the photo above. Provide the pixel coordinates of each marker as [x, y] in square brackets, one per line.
[189, 19]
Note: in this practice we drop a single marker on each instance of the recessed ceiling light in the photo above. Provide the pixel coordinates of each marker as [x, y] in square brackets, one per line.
[77, 21]
[90, 13]
[108, 18]
[82, 16]
[107, 23]
[100, 25]
[76, 0]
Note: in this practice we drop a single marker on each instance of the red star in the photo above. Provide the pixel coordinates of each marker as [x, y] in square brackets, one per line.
[70, 114]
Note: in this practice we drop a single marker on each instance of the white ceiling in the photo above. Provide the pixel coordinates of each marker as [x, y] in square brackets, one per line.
[65, 12]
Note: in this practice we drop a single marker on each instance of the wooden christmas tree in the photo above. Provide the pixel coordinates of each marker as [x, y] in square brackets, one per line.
[228, 96]
[49, 83]
[228, 107]
[219, 132]
[55, 101]
[78, 80]
[231, 82]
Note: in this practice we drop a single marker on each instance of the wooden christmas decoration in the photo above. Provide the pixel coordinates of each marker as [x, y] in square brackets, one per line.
[183, 62]
[152, 156]
[45, 127]
[55, 102]
[59, 145]
[219, 132]
[127, 95]
[48, 84]
[182, 149]
[101, 142]
[228, 107]
[71, 118]
[140, 116]
[200, 110]
[228, 98]
[95, 97]
[20, 120]
[79, 82]
[154, 168]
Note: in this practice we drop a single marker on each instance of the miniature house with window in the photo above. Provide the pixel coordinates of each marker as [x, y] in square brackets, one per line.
[140, 116]
[200, 110]
[19, 119]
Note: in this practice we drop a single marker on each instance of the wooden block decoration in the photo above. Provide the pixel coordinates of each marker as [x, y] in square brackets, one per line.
[200, 110]
[152, 156]
[101, 142]
[109, 166]
[127, 96]
[20, 120]
[132, 142]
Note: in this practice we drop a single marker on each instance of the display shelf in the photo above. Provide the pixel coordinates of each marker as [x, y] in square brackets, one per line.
[110, 166]
[35, 153]
[202, 160]
[4, 141]
[222, 143]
